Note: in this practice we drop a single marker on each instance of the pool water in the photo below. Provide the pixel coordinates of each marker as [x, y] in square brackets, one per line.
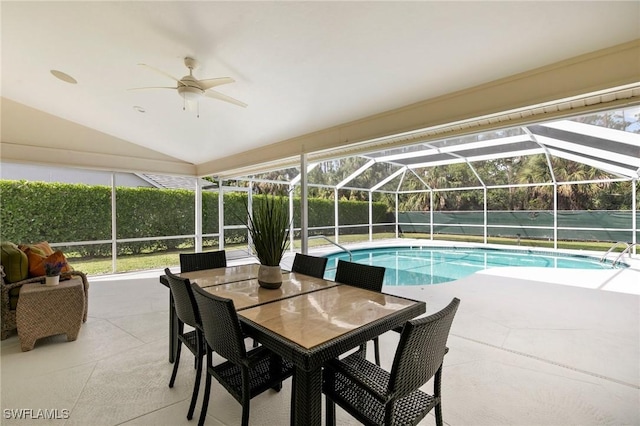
[434, 265]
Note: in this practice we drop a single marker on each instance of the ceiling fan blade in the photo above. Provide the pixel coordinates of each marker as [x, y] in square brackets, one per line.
[144, 88]
[216, 95]
[162, 72]
[213, 82]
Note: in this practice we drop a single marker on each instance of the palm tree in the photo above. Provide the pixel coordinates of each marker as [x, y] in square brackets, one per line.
[570, 196]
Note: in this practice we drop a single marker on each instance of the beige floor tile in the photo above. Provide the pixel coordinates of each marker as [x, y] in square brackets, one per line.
[522, 352]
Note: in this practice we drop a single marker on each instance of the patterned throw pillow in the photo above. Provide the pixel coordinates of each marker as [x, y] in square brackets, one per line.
[43, 248]
[41, 253]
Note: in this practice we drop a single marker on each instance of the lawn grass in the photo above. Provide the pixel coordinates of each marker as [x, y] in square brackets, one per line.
[159, 260]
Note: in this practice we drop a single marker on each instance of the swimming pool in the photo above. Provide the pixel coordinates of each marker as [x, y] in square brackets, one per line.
[434, 265]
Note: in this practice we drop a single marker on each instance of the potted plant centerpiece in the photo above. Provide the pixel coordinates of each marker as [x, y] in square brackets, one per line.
[269, 231]
[52, 273]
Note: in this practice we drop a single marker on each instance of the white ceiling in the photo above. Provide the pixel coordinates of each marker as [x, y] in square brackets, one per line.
[300, 66]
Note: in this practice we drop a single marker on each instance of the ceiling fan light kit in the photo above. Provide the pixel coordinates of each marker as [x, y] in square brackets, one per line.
[190, 93]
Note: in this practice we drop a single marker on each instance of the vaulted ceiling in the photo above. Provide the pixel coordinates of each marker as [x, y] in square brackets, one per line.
[316, 75]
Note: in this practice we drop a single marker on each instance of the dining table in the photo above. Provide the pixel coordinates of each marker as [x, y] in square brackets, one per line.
[205, 278]
[308, 321]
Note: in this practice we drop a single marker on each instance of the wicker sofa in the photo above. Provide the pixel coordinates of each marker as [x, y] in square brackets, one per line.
[10, 291]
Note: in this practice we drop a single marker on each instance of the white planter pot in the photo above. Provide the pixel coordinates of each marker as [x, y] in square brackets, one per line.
[51, 281]
[270, 276]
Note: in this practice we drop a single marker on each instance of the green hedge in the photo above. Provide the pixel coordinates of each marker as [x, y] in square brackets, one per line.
[37, 211]
[57, 212]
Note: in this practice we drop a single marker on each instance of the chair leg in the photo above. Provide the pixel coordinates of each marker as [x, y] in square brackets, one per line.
[246, 396]
[245, 414]
[293, 397]
[330, 411]
[329, 384]
[196, 385]
[437, 382]
[376, 350]
[172, 328]
[178, 348]
[207, 391]
[176, 362]
[362, 350]
[275, 370]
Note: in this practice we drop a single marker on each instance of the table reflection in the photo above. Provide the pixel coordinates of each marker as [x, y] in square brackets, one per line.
[248, 293]
[211, 277]
[314, 318]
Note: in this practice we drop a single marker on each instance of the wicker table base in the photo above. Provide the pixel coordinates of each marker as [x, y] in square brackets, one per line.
[46, 311]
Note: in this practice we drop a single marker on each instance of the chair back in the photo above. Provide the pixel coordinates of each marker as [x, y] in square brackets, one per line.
[206, 260]
[309, 265]
[185, 304]
[368, 277]
[421, 349]
[222, 329]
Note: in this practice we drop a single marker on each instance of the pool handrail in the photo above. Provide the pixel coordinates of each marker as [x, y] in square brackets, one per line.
[626, 250]
[603, 258]
[335, 244]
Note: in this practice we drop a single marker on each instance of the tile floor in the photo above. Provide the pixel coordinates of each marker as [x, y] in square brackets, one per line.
[522, 352]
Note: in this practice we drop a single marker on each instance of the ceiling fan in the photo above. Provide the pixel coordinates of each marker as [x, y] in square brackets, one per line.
[192, 89]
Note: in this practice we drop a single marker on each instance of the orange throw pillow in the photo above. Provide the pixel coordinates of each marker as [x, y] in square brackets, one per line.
[43, 248]
[37, 261]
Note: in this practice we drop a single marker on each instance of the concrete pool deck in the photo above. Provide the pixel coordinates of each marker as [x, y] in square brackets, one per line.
[523, 351]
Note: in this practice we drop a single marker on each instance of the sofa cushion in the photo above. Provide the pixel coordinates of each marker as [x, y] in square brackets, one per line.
[15, 263]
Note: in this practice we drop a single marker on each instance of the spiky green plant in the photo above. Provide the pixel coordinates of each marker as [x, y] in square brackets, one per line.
[269, 229]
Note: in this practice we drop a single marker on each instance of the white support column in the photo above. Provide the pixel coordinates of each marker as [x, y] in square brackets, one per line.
[250, 208]
[634, 214]
[336, 230]
[397, 226]
[485, 215]
[431, 214]
[220, 216]
[304, 206]
[555, 215]
[370, 216]
[292, 188]
[198, 218]
[114, 224]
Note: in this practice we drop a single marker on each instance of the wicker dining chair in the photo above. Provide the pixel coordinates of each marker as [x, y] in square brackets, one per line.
[187, 313]
[190, 262]
[313, 266]
[206, 260]
[244, 374]
[368, 277]
[377, 397]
